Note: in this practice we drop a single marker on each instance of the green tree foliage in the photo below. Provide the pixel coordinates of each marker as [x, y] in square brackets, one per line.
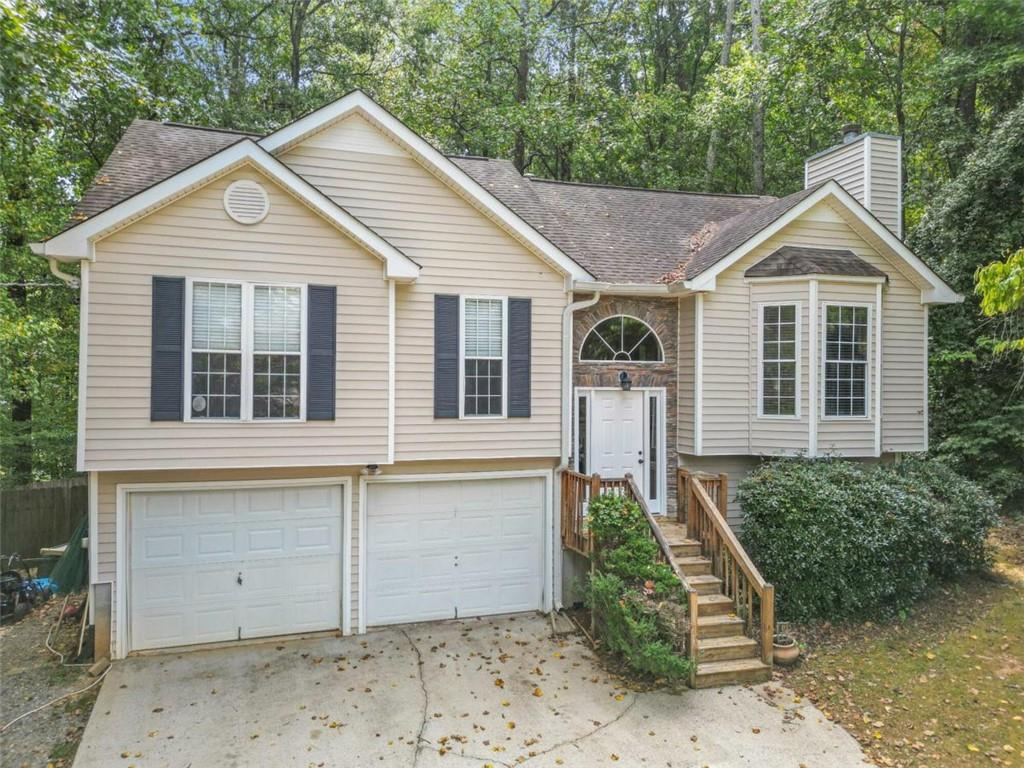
[613, 91]
[977, 407]
[1001, 287]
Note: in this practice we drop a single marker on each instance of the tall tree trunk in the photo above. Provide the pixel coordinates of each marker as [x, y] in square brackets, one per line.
[522, 86]
[20, 463]
[723, 63]
[757, 132]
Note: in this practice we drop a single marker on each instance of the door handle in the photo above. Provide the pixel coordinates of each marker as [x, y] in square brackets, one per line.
[239, 578]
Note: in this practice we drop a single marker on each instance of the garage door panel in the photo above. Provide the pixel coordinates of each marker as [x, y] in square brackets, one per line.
[474, 547]
[184, 575]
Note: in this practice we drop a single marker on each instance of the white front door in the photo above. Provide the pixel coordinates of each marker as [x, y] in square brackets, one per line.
[618, 433]
[444, 549]
[626, 437]
[233, 563]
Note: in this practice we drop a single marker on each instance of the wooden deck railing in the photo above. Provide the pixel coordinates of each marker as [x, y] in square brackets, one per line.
[577, 490]
[741, 581]
[717, 487]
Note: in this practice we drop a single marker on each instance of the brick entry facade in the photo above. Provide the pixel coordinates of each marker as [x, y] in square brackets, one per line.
[663, 316]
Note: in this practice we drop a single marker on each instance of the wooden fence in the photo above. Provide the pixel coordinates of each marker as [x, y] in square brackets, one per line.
[41, 514]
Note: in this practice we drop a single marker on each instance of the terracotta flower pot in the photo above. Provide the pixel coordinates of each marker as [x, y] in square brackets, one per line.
[785, 650]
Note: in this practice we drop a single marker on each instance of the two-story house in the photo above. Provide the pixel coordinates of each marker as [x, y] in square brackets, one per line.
[329, 376]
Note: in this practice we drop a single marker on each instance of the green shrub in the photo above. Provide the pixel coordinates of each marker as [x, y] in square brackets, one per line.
[632, 627]
[841, 539]
[634, 598]
[962, 516]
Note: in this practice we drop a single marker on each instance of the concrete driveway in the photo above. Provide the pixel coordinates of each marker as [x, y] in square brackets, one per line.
[474, 692]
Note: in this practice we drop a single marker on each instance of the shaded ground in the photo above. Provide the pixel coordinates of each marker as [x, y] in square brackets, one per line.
[29, 676]
[499, 692]
[944, 687]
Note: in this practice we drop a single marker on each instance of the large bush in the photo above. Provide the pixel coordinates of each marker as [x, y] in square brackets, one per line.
[841, 539]
[635, 599]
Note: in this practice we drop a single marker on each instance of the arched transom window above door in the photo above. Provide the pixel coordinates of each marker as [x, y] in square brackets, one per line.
[621, 339]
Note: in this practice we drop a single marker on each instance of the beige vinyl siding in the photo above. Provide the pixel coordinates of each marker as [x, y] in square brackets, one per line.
[845, 164]
[779, 434]
[461, 251]
[107, 504]
[731, 425]
[193, 237]
[885, 166]
[687, 356]
[853, 435]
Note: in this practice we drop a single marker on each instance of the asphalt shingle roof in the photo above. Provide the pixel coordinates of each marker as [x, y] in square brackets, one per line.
[148, 153]
[618, 234]
[792, 260]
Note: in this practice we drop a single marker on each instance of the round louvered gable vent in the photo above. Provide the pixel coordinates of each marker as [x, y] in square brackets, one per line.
[246, 202]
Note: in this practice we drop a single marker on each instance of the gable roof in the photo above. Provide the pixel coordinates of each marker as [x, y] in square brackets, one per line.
[76, 241]
[357, 102]
[792, 260]
[626, 236]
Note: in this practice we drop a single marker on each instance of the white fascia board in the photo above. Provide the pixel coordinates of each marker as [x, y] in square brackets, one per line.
[622, 289]
[449, 172]
[78, 242]
[866, 279]
[937, 292]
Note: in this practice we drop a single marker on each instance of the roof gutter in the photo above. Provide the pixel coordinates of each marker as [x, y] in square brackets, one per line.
[622, 289]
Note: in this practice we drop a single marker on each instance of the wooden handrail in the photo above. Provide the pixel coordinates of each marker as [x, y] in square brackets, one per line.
[741, 579]
[656, 532]
[723, 530]
[693, 606]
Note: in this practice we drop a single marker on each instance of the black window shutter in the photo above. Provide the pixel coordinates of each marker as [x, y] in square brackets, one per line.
[446, 357]
[167, 358]
[519, 323]
[321, 351]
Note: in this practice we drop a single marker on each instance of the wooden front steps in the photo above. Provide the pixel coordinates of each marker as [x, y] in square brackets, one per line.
[725, 655]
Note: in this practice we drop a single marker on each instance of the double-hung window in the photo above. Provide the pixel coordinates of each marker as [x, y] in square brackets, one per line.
[779, 342]
[846, 360]
[483, 356]
[246, 356]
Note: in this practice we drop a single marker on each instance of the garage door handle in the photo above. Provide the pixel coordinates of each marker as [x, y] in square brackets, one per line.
[239, 579]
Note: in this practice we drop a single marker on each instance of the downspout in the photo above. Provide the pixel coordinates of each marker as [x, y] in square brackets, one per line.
[71, 280]
[567, 313]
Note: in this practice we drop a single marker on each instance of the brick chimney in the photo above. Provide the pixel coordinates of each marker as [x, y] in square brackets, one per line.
[868, 165]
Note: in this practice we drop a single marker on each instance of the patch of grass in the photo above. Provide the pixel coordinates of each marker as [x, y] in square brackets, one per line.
[944, 686]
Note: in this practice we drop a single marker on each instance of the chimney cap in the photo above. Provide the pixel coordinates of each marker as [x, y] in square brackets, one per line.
[849, 132]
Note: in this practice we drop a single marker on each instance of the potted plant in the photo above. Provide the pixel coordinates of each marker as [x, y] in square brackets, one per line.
[786, 650]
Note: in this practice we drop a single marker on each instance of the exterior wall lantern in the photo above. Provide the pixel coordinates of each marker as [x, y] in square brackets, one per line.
[625, 382]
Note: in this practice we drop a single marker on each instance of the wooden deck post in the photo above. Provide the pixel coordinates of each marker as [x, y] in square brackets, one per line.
[768, 624]
[723, 494]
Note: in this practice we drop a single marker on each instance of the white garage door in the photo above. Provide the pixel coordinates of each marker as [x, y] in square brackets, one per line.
[447, 549]
[229, 564]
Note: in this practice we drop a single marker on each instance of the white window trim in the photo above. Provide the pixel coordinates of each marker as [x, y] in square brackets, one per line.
[650, 330]
[247, 352]
[797, 414]
[581, 394]
[504, 358]
[869, 366]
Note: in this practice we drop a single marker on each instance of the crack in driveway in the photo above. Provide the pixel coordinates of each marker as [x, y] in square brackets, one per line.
[426, 698]
[585, 736]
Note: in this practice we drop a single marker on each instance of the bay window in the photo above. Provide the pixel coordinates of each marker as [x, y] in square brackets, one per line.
[846, 361]
[779, 338]
[246, 351]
